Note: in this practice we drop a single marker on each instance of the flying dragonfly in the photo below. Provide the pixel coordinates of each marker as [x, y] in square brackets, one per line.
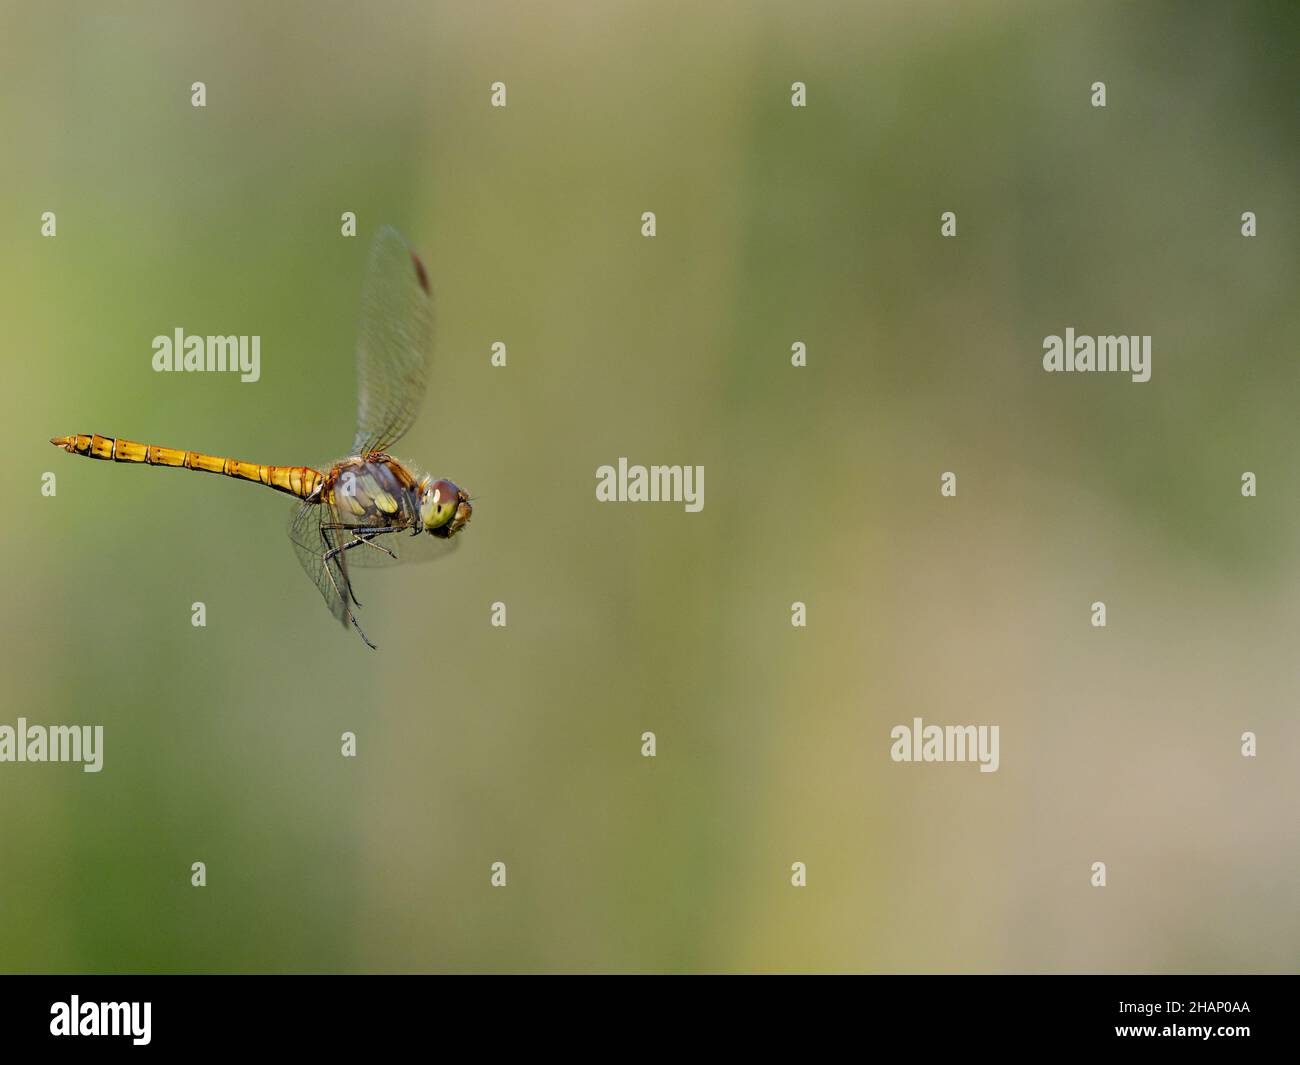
[352, 513]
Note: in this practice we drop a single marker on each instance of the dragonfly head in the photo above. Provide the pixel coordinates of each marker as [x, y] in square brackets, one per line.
[444, 508]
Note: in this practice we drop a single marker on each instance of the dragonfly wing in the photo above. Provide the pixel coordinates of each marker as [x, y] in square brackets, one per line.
[314, 531]
[404, 547]
[395, 343]
[310, 545]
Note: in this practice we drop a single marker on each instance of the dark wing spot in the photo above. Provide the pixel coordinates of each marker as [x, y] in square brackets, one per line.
[420, 274]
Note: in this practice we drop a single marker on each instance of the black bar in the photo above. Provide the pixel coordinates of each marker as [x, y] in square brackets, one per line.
[1052, 1014]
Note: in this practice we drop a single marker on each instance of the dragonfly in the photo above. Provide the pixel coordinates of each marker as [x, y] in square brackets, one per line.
[354, 513]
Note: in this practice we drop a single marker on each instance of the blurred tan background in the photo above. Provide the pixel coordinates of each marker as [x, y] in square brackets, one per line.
[774, 225]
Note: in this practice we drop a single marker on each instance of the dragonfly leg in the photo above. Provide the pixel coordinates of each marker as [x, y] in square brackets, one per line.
[348, 610]
[365, 536]
[331, 555]
[370, 542]
[360, 632]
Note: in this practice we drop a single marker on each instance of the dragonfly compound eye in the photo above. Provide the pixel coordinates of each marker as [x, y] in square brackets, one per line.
[438, 504]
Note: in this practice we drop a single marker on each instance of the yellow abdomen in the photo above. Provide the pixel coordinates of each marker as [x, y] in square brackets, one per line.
[300, 481]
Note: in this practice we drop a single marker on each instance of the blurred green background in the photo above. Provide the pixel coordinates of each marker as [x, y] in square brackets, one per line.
[775, 224]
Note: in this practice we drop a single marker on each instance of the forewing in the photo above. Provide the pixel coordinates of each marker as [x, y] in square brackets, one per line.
[395, 343]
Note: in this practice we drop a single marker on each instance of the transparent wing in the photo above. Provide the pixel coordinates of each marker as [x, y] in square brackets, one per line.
[388, 549]
[331, 546]
[395, 343]
[311, 545]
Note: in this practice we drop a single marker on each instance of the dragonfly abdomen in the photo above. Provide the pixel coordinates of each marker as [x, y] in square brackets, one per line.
[300, 481]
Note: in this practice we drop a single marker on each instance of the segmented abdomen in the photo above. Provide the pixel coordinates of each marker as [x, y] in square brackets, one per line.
[300, 481]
